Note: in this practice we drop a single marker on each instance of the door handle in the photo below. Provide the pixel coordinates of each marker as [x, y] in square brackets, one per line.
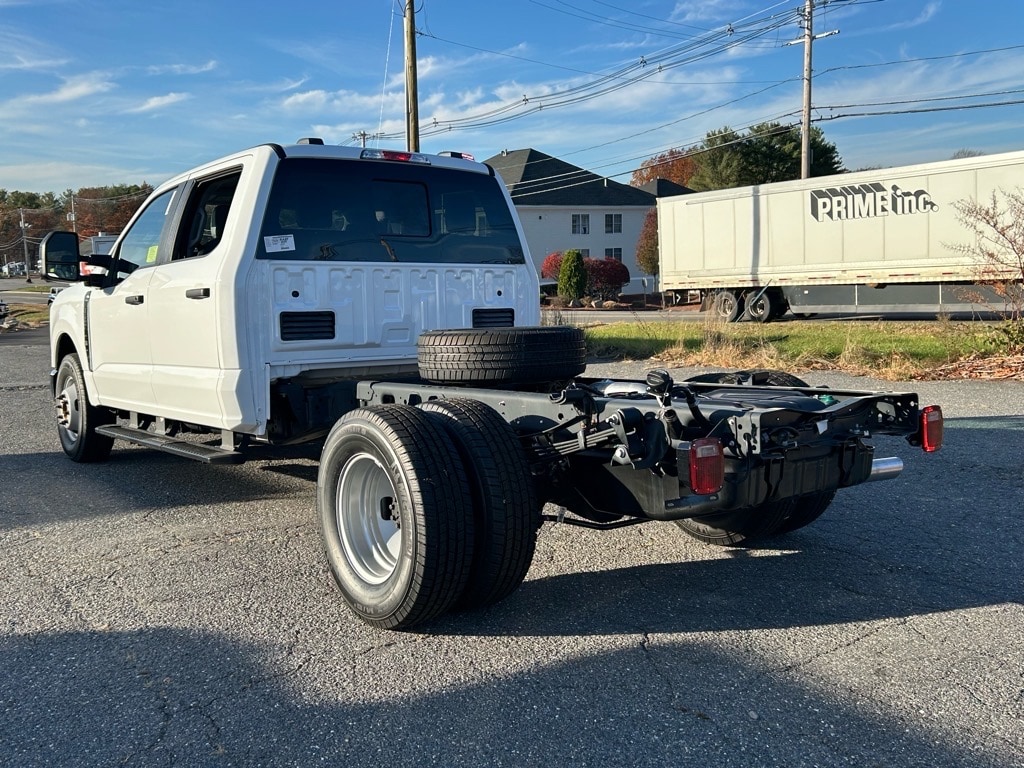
[134, 300]
[197, 293]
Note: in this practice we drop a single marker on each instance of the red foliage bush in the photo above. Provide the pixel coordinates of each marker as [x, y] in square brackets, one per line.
[605, 276]
[551, 265]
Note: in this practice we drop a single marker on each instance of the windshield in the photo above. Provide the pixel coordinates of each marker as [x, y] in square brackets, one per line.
[358, 210]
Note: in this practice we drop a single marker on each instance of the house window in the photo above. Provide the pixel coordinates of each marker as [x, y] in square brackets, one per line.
[613, 253]
[581, 223]
[612, 223]
[584, 252]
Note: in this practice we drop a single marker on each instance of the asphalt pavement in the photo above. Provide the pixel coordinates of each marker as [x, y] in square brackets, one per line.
[157, 612]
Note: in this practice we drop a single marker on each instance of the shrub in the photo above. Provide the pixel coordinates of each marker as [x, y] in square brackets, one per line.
[572, 276]
[606, 276]
[551, 266]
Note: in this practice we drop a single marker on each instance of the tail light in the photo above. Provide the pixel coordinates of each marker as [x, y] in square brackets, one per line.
[707, 466]
[930, 430]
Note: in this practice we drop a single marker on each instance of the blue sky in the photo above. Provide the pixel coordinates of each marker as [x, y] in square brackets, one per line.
[96, 92]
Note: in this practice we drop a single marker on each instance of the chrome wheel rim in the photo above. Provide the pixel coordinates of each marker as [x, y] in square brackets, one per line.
[367, 518]
[69, 416]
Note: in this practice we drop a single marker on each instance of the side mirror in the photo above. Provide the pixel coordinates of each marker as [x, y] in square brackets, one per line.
[59, 257]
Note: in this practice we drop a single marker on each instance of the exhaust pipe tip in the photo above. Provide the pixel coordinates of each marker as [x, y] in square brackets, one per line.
[885, 469]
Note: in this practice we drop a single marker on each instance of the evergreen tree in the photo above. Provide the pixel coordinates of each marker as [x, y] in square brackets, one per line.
[572, 276]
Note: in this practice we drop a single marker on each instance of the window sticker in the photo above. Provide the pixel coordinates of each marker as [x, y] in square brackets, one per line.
[279, 243]
[151, 254]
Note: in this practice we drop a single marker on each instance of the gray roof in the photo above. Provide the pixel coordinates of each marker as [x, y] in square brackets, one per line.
[665, 188]
[534, 178]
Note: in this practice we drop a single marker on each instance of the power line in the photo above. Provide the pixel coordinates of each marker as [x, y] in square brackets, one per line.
[625, 76]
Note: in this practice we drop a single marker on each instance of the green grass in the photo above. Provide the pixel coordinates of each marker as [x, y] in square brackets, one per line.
[29, 314]
[886, 349]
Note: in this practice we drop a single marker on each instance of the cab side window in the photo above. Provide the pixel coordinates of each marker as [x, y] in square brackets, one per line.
[141, 244]
[206, 215]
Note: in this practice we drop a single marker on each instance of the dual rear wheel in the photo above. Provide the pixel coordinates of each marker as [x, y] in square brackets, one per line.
[425, 510]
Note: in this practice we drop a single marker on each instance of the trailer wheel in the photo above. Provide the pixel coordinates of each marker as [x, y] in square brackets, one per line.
[806, 509]
[739, 527]
[77, 419]
[502, 355]
[726, 306]
[763, 309]
[774, 378]
[505, 508]
[393, 505]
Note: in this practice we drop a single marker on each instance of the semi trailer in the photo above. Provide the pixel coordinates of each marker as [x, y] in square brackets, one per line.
[869, 242]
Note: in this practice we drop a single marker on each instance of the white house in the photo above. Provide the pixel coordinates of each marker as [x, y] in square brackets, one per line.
[562, 206]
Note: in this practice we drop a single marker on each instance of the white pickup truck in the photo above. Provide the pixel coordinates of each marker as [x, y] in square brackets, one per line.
[383, 303]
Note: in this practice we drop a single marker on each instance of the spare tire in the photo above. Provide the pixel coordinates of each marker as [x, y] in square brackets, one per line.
[502, 355]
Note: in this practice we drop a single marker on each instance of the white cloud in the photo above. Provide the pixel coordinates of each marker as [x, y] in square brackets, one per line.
[346, 102]
[73, 89]
[691, 11]
[283, 85]
[59, 174]
[158, 102]
[182, 69]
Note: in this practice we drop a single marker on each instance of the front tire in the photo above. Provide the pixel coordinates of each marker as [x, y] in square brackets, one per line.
[77, 419]
[393, 505]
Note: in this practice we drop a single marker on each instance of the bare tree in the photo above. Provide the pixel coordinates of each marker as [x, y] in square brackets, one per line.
[998, 249]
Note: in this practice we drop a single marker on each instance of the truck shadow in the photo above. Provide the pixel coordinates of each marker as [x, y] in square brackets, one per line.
[946, 535]
[169, 696]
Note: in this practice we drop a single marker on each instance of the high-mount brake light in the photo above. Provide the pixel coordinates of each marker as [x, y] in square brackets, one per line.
[707, 466]
[931, 428]
[393, 154]
[457, 155]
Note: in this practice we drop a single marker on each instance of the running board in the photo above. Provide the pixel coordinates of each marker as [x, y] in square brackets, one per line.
[189, 450]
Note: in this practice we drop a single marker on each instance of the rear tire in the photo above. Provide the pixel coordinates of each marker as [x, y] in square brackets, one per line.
[77, 419]
[761, 309]
[739, 527]
[502, 355]
[726, 306]
[806, 509]
[505, 508]
[393, 505]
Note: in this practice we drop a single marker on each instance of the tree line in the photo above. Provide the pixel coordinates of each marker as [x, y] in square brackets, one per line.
[88, 211]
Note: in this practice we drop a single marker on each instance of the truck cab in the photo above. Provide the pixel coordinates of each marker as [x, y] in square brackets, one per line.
[307, 263]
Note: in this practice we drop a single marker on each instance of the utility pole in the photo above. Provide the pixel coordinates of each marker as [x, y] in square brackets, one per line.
[805, 127]
[412, 109]
[24, 244]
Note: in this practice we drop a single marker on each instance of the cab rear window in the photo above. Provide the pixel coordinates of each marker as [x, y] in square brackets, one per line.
[357, 210]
